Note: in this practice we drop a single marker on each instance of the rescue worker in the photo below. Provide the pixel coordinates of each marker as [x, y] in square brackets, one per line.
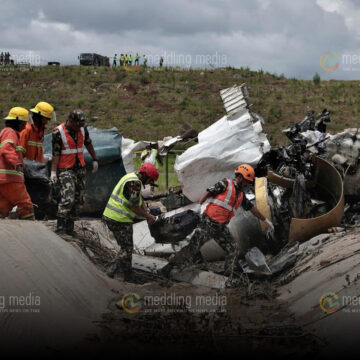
[12, 186]
[124, 204]
[32, 137]
[122, 59]
[68, 167]
[225, 197]
[137, 59]
[150, 154]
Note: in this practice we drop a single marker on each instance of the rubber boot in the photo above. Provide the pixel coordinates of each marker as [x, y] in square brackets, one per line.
[60, 226]
[113, 268]
[69, 227]
[128, 275]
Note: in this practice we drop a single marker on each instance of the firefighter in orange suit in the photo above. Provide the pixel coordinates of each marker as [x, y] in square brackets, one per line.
[12, 186]
[32, 137]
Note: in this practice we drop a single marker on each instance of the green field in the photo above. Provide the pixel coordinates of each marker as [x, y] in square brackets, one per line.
[172, 178]
[152, 103]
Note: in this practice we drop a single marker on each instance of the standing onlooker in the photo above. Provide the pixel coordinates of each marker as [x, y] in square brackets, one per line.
[137, 59]
[161, 61]
[115, 60]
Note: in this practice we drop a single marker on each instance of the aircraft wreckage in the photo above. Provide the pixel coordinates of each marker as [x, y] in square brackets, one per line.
[300, 187]
[296, 186]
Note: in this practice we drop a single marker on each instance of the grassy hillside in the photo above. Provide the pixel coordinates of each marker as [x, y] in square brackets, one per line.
[152, 103]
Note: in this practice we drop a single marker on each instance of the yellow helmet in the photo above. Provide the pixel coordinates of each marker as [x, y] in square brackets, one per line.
[44, 109]
[18, 113]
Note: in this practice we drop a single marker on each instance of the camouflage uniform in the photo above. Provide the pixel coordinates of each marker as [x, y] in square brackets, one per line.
[123, 232]
[209, 229]
[71, 181]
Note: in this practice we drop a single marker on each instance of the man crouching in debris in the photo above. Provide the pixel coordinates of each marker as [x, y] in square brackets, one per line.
[68, 167]
[124, 204]
[225, 197]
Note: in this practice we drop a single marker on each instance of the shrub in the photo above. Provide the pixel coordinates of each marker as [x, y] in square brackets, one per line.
[316, 79]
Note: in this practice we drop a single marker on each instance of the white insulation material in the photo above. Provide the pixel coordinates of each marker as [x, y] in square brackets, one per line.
[222, 147]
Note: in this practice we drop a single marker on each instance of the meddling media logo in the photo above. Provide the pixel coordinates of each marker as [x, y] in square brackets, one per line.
[131, 303]
[329, 303]
[329, 61]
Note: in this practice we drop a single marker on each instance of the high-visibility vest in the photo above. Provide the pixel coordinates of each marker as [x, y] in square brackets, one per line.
[118, 207]
[221, 207]
[69, 149]
[151, 158]
[31, 143]
[10, 156]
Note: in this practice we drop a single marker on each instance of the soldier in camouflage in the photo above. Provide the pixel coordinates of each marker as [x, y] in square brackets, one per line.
[124, 204]
[68, 167]
[224, 197]
[123, 233]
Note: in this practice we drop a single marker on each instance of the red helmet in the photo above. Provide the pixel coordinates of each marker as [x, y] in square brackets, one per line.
[150, 170]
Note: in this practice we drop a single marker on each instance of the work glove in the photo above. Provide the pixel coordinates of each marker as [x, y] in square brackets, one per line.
[158, 219]
[95, 166]
[53, 177]
[270, 226]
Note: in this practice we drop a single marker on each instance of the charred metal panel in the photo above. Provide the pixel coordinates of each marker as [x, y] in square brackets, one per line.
[329, 179]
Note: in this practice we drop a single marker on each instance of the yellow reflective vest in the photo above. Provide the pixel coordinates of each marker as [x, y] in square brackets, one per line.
[151, 156]
[118, 207]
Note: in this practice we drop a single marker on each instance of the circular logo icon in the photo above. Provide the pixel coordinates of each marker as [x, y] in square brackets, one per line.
[329, 303]
[329, 61]
[131, 69]
[131, 303]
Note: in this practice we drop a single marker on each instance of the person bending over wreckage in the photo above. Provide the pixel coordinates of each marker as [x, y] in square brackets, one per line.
[124, 204]
[225, 197]
[68, 167]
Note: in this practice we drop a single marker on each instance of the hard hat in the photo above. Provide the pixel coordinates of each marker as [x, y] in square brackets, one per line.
[246, 171]
[150, 170]
[44, 109]
[78, 116]
[18, 113]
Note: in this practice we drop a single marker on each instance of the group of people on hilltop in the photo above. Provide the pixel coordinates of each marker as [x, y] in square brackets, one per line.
[5, 58]
[128, 60]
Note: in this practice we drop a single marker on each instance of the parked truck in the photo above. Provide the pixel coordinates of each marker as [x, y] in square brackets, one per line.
[94, 59]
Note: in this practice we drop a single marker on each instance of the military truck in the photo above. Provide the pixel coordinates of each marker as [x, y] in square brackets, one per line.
[94, 59]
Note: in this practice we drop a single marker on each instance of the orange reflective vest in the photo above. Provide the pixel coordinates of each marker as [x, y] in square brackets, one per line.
[31, 143]
[221, 207]
[70, 149]
[10, 156]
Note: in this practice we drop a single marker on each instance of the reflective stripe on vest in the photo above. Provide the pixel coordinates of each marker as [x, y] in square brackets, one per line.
[11, 172]
[34, 143]
[118, 207]
[6, 142]
[225, 203]
[67, 150]
[20, 148]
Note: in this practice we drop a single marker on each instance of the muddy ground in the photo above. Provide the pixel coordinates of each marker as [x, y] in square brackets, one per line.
[179, 318]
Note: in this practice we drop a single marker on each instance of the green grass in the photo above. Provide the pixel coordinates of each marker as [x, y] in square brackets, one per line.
[152, 103]
[172, 179]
